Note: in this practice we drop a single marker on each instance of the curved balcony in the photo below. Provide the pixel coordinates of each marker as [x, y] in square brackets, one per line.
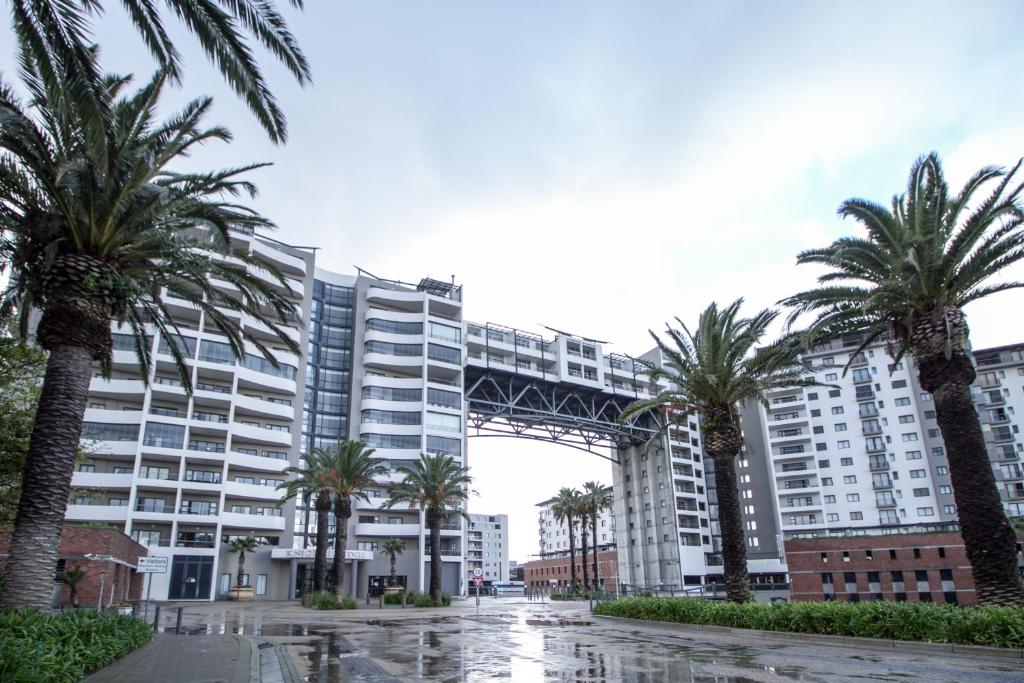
[255, 379]
[257, 462]
[406, 300]
[394, 316]
[393, 382]
[102, 480]
[387, 530]
[252, 491]
[261, 407]
[399, 363]
[117, 388]
[286, 262]
[238, 520]
[97, 513]
[261, 434]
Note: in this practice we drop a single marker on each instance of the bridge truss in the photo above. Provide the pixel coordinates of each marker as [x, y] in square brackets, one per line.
[504, 403]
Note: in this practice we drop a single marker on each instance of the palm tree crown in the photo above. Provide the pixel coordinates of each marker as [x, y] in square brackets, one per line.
[923, 259]
[564, 510]
[597, 499]
[56, 33]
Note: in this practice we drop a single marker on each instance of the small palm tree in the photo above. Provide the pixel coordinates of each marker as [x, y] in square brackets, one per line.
[711, 372]
[311, 482]
[56, 33]
[598, 499]
[243, 545]
[434, 484]
[350, 470]
[908, 282]
[393, 548]
[564, 510]
[582, 510]
[71, 579]
[96, 229]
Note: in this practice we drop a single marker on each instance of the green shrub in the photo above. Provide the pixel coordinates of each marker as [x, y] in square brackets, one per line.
[446, 599]
[54, 648]
[348, 602]
[393, 598]
[323, 600]
[994, 626]
[422, 600]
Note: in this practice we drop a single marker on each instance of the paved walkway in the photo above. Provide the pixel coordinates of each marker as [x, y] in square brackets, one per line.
[168, 657]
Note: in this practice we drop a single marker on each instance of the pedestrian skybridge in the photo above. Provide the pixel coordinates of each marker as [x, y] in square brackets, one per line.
[563, 390]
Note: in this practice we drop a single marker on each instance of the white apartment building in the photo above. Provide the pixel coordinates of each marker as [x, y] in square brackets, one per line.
[487, 546]
[999, 389]
[553, 533]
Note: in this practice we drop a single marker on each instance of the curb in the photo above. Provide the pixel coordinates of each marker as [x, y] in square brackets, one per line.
[912, 646]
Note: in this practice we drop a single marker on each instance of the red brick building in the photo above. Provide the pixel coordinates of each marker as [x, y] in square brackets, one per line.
[914, 567]
[541, 573]
[107, 556]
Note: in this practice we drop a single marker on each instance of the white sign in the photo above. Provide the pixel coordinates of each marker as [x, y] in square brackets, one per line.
[477, 572]
[153, 565]
[309, 553]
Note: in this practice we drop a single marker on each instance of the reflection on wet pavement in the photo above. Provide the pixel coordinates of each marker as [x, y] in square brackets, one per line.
[530, 642]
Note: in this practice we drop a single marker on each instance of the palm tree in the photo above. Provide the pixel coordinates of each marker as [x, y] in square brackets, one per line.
[581, 513]
[56, 34]
[434, 484]
[350, 470]
[95, 229]
[710, 372]
[598, 499]
[908, 281]
[311, 481]
[243, 545]
[564, 510]
[393, 548]
[71, 578]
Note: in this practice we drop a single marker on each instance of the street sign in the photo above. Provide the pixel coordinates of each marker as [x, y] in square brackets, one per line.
[477, 572]
[477, 581]
[153, 565]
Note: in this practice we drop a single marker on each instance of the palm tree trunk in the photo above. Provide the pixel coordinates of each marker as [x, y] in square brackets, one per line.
[572, 556]
[723, 441]
[593, 528]
[241, 567]
[583, 543]
[46, 482]
[391, 580]
[342, 513]
[434, 524]
[989, 538]
[323, 510]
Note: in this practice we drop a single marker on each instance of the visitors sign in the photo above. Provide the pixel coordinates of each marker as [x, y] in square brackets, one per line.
[152, 565]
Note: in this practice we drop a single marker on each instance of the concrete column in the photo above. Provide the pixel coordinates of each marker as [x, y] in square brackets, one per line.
[354, 571]
[293, 575]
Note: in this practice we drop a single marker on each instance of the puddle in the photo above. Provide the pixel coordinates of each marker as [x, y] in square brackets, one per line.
[557, 622]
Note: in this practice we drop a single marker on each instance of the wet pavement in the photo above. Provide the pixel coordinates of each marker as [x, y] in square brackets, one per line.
[518, 640]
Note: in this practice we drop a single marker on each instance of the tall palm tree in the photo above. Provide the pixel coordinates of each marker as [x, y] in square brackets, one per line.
[312, 482]
[350, 470]
[710, 372]
[598, 499]
[56, 33]
[564, 510]
[243, 545]
[434, 484]
[923, 260]
[393, 548]
[94, 229]
[581, 513]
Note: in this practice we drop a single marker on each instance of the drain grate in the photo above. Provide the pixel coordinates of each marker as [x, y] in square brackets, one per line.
[264, 645]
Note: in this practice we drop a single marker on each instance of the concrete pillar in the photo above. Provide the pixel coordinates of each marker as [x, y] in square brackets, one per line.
[293, 575]
[354, 571]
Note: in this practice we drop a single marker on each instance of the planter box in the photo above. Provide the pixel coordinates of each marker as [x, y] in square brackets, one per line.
[240, 593]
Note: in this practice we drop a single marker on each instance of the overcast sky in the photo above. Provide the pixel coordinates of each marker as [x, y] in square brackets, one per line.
[601, 167]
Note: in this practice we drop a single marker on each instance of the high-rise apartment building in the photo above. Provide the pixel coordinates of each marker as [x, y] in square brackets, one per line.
[553, 533]
[1000, 399]
[487, 547]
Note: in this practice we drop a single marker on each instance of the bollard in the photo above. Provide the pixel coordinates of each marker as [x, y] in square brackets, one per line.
[156, 619]
[177, 625]
[403, 599]
[382, 601]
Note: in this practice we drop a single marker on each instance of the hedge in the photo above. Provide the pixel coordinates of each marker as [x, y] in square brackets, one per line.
[326, 600]
[993, 626]
[54, 648]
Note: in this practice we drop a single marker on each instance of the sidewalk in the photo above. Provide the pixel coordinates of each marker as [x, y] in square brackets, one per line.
[171, 658]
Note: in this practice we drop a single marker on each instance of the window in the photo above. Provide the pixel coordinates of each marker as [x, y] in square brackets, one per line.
[818, 429]
[903, 401]
[913, 455]
[949, 509]
[846, 462]
[392, 349]
[391, 417]
[920, 493]
[395, 327]
[906, 419]
[826, 481]
[938, 451]
[444, 354]
[850, 479]
[933, 433]
[899, 384]
[216, 352]
[163, 435]
[823, 463]
[837, 410]
[839, 426]
[942, 469]
[99, 431]
[945, 490]
[830, 499]
[444, 423]
[833, 393]
[856, 516]
[909, 436]
[445, 333]
[831, 377]
[842, 445]
[925, 512]
[815, 413]
[832, 517]
[820, 447]
[852, 497]
[812, 396]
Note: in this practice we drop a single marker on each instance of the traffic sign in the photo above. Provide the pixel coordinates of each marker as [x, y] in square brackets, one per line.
[477, 580]
[152, 565]
[477, 572]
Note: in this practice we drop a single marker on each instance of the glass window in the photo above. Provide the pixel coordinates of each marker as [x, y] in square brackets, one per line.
[393, 394]
[440, 444]
[216, 352]
[444, 354]
[443, 422]
[100, 431]
[391, 417]
[164, 435]
[395, 327]
[441, 397]
[445, 333]
[390, 349]
[392, 440]
[261, 364]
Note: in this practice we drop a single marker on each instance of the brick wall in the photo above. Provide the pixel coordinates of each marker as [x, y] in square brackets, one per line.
[539, 573]
[933, 567]
[120, 582]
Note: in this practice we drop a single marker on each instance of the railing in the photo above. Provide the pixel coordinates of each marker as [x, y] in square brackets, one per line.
[210, 417]
[206, 446]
